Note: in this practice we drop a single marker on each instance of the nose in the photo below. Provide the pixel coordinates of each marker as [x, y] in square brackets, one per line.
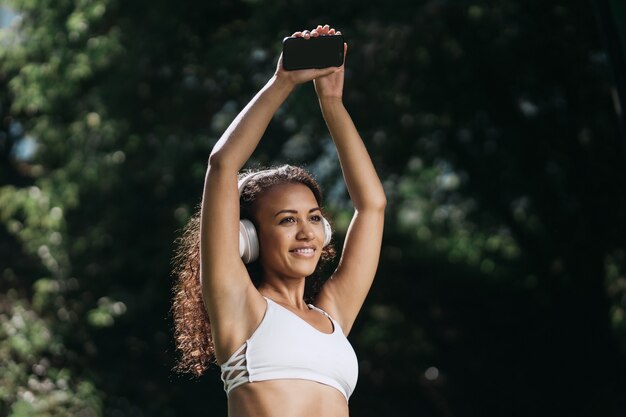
[305, 232]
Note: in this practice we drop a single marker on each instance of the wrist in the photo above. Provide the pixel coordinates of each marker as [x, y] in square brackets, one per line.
[282, 83]
[331, 101]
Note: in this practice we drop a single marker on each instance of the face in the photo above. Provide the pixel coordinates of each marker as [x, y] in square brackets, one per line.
[291, 232]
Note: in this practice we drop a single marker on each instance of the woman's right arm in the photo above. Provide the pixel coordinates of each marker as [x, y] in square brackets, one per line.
[226, 285]
[223, 274]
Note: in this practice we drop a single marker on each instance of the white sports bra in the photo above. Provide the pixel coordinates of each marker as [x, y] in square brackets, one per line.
[284, 346]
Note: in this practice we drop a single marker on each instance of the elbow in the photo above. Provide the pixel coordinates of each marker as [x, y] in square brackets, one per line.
[379, 200]
[374, 204]
[381, 203]
[369, 199]
[217, 161]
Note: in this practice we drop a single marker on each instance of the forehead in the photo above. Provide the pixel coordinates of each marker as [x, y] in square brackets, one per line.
[286, 196]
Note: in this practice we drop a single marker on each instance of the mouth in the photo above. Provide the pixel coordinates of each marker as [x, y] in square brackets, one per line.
[305, 252]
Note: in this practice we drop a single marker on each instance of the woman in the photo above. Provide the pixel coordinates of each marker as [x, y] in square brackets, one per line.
[279, 356]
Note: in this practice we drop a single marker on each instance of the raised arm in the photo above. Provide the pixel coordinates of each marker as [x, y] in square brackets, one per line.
[226, 286]
[344, 293]
[224, 276]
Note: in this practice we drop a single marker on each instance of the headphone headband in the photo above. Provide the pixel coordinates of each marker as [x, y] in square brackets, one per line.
[247, 178]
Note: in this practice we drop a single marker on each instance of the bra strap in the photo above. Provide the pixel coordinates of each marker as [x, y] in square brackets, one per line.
[228, 370]
[320, 310]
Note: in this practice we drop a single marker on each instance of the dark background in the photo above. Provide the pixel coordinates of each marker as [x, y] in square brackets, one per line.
[496, 127]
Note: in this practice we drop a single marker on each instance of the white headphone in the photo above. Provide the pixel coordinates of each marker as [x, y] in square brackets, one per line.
[248, 238]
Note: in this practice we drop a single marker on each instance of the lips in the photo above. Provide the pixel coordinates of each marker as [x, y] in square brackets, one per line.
[304, 250]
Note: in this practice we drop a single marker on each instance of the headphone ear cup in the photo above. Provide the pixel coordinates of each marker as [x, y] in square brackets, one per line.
[328, 231]
[248, 241]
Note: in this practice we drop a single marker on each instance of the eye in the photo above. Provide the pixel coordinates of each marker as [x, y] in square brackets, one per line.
[287, 220]
[316, 218]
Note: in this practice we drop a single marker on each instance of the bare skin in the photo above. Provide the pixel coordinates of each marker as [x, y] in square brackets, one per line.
[235, 307]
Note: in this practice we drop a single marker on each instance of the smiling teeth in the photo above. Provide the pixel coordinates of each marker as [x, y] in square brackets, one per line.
[308, 250]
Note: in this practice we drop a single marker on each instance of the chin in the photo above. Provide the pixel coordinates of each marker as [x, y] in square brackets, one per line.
[304, 271]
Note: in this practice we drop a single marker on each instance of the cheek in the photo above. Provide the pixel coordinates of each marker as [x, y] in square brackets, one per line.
[274, 238]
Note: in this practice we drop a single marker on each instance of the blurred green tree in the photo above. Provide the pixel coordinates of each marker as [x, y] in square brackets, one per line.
[501, 287]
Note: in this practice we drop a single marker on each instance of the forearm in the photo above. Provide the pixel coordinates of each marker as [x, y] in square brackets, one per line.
[364, 186]
[242, 136]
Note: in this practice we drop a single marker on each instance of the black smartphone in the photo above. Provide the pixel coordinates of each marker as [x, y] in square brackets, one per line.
[320, 52]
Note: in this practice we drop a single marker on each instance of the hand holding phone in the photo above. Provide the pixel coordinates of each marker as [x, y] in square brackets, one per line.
[322, 51]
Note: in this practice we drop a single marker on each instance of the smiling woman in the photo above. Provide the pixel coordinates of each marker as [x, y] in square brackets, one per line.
[245, 261]
[270, 199]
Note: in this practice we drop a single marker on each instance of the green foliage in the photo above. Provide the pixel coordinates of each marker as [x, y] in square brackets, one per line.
[501, 282]
[33, 381]
[38, 223]
[616, 283]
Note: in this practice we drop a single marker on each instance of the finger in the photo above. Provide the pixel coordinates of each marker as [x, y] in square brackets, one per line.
[297, 34]
[319, 28]
[326, 28]
[306, 34]
[314, 33]
[331, 31]
[338, 32]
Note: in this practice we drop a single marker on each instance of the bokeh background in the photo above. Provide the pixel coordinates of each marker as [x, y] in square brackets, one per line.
[496, 127]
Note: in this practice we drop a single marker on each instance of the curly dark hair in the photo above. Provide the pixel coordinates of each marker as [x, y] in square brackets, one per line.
[192, 328]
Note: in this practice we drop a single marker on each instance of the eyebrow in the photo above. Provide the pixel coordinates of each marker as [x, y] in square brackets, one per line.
[295, 211]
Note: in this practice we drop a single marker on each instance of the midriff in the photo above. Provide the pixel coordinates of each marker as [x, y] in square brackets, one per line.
[286, 398]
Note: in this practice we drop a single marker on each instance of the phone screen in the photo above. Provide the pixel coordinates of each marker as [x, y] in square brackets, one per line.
[320, 52]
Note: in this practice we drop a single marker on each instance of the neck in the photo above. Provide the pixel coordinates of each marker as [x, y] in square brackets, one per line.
[285, 291]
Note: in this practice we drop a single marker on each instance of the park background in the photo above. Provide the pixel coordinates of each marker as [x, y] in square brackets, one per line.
[495, 126]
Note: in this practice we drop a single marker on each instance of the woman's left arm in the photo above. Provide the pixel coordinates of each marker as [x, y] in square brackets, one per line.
[344, 293]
